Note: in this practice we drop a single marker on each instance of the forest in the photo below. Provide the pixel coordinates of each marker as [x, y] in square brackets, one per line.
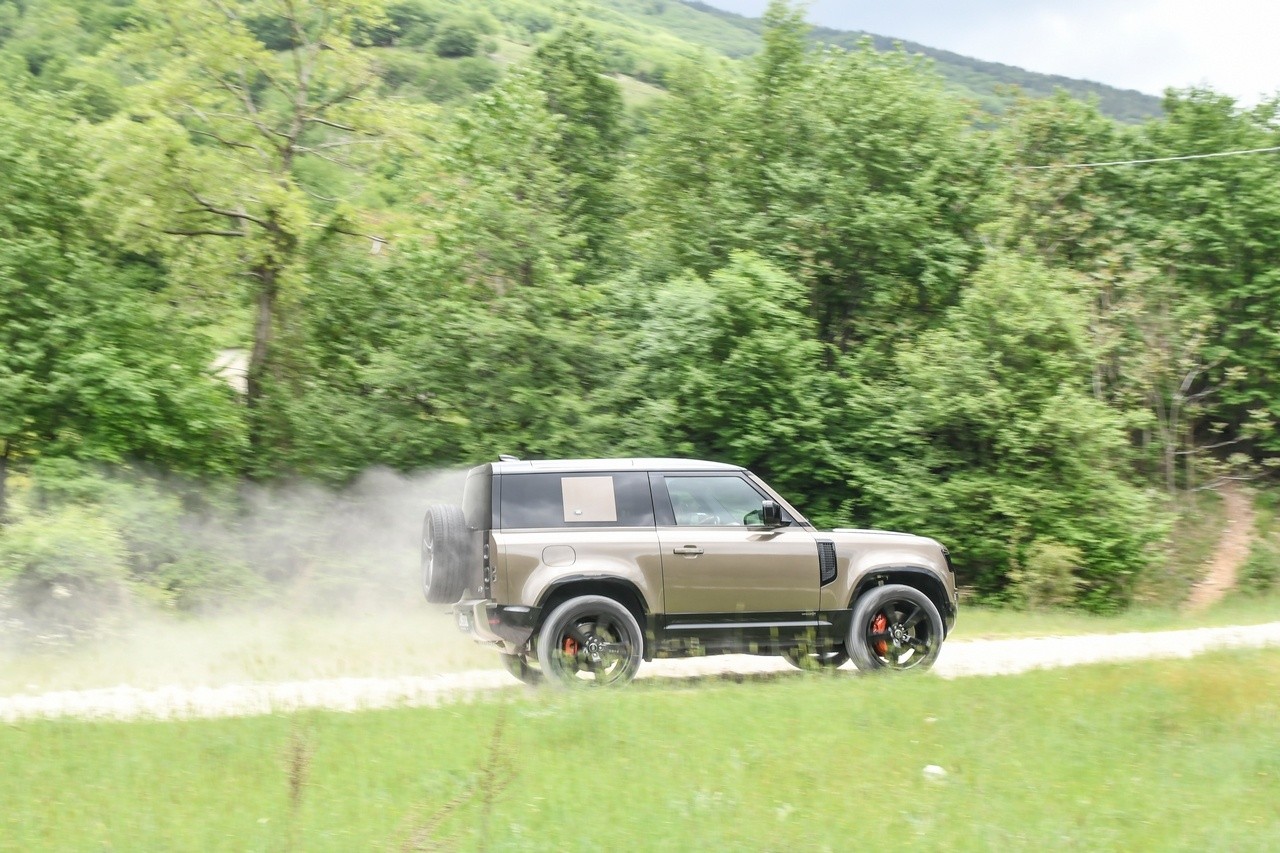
[439, 232]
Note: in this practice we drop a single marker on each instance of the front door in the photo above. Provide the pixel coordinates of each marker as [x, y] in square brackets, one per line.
[718, 558]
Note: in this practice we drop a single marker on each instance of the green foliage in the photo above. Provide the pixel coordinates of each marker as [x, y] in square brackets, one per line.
[437, 80]
[69, 548]
[1048, 577]
[590, 141]
[62, 575]
[729, 368]
[1206, 221]
[161, 554]
[455, 40]
[851, 169]
[1261, 571]
[91, 365]
[995, 444]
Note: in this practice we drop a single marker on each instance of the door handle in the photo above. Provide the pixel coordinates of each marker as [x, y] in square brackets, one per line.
[688, 551]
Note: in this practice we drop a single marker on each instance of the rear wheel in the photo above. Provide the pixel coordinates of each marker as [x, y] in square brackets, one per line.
[895, 627]
[589, 641]
[444, 550]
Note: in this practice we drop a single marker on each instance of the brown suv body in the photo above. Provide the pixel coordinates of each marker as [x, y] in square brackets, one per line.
[706, 556]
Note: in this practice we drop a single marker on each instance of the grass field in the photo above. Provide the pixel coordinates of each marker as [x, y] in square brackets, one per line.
[1168, 755]
[993, 623]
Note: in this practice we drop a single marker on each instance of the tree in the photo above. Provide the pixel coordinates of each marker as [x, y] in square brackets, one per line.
[729, 368]
[1213, 223]
[218, 138]
[854, 171]
[993, 440]
[90, 365]
[691, 195]
[591, 138]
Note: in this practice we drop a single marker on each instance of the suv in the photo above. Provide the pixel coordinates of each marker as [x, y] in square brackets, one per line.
[580, 569]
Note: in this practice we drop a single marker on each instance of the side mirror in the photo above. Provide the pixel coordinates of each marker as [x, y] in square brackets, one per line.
[771, 514]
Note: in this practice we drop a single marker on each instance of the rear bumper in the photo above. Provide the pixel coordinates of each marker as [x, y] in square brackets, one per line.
[492, 623]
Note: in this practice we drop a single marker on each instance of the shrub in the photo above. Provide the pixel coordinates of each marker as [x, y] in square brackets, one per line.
[477, 72]
[406, 69]
[455, 40]
[1047, 576]
[63, 574]
[1261, 570]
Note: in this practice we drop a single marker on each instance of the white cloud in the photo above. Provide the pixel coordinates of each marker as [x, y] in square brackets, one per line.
[1146, 45]
[1137, 44]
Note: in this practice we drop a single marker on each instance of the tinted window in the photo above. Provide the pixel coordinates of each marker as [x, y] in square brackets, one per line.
[576, 500]
[714, 501]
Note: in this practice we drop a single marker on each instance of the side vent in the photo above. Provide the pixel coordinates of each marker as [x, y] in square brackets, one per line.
[826, 561]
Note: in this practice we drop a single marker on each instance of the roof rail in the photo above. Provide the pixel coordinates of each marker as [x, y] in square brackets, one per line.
[507, 457]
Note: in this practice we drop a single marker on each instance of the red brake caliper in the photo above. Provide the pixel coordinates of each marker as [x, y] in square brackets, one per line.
[570, 646]
[878, 626]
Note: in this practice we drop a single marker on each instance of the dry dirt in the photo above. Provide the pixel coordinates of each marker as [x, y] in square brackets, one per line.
[1232, 550]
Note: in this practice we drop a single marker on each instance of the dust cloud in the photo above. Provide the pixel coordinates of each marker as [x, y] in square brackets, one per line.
[296, 581]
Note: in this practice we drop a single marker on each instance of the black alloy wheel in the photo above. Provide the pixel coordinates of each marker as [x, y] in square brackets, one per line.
[895, 627]
[590, 641]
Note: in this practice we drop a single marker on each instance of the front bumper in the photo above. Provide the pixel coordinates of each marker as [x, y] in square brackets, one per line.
[491, 623]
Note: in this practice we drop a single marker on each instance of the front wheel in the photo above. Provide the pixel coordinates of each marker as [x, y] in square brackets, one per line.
[589, 641]
[895, 627]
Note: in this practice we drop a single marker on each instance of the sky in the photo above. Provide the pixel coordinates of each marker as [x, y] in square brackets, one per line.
[1148, 45]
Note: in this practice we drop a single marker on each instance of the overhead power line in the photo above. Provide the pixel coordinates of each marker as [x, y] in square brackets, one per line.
[1148, 160]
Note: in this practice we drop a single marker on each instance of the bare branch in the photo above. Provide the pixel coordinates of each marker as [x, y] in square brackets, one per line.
[327, 123]
[201, 232]
[327, 157]
[347, 94]
[210, 207]
[1194, 450]
[378, 242]
[311, 149]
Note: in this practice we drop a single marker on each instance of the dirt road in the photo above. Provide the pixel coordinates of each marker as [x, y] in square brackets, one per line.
[961, 658]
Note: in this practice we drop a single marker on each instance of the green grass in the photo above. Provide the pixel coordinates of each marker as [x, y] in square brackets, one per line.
[980, 623]
[1168, 755]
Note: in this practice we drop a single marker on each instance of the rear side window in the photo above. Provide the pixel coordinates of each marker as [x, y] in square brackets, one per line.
[576, 500]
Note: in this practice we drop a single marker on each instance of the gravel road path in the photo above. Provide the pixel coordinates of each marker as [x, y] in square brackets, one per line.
[961, 658]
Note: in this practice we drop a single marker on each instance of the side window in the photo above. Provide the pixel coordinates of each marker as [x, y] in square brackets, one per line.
[576, 500]
[713, 501]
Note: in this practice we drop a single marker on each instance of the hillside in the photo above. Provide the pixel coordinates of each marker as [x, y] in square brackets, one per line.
[990, 83]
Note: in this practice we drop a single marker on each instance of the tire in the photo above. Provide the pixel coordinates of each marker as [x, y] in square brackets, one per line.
[590, 641]
[894, 627]
[802, 658]
[444, 554]
[519, 666]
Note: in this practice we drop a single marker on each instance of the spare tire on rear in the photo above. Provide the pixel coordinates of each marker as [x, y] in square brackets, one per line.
[445, 542]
